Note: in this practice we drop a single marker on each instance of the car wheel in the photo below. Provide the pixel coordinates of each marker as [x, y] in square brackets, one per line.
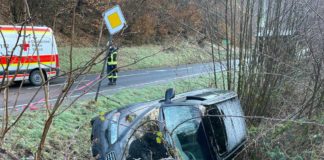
[35, 78]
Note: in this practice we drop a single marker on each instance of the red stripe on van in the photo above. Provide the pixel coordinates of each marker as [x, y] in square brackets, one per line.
[57, 60]
[24, 75]
[28, 59]
[52, 72]
[18, 76]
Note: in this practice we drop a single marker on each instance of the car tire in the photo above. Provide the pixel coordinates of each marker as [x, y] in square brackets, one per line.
[35, 78]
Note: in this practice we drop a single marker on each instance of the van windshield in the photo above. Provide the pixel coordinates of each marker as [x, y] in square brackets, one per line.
[187, 132]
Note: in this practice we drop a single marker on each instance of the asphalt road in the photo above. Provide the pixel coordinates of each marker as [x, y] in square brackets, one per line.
[86, 85]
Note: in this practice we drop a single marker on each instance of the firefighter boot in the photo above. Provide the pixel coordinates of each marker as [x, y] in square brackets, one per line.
[114, 81]
[110, 82]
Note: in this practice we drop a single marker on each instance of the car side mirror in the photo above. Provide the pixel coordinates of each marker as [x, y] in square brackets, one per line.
[169, 94]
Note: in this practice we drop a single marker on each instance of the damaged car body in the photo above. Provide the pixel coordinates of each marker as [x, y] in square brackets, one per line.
[206, 124]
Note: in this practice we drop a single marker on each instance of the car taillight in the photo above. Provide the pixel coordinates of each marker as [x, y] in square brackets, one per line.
[114, 128]
[57, 60]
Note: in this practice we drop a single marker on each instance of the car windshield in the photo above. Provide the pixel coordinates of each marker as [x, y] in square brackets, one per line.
[188, 134]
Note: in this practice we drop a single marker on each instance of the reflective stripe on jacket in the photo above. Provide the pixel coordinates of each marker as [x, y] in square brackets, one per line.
[111, 76]
[112, 59]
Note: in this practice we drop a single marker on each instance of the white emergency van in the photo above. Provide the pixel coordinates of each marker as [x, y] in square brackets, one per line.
[26, 52]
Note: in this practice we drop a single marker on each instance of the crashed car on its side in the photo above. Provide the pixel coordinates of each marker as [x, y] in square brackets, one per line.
[206, 124]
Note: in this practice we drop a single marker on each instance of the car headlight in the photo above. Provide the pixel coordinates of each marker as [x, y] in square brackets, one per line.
[114, 128]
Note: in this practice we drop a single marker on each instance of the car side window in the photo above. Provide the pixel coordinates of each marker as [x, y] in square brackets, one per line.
[187, 132]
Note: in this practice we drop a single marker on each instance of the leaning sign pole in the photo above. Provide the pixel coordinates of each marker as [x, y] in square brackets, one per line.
[115, 22]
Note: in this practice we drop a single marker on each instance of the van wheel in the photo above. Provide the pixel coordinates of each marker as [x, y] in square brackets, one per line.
[35, 78]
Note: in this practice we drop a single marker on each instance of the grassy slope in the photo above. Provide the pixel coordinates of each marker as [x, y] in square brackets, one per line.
[69, 136]
[178, 54]
[288, 141]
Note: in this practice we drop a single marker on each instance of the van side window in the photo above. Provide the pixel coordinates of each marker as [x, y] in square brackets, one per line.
[215, 129]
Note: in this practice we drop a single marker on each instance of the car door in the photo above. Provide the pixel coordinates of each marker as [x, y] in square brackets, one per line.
[185, 132]
[225, 122]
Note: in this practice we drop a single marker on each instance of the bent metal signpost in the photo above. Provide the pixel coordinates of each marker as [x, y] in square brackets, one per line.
[115, 22]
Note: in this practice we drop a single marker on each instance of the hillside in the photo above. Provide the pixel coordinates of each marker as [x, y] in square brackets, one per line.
[148, 21]
[269, 52]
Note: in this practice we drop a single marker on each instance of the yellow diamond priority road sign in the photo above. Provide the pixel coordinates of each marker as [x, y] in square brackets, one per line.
[114, 19]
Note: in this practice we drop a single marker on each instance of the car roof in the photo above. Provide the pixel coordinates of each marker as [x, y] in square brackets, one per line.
[205, 96]
[202, 96]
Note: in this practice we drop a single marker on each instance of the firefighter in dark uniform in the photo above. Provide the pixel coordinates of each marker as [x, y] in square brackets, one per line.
[112, 65]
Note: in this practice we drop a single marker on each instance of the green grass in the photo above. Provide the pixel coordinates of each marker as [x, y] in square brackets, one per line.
[287, 140]
[69, 135]
[178, 54]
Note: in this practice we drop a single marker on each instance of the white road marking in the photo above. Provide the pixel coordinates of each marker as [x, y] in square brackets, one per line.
[160, 70]
[179, 69]
[59, 84]
[120, 88]
[129, 75]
